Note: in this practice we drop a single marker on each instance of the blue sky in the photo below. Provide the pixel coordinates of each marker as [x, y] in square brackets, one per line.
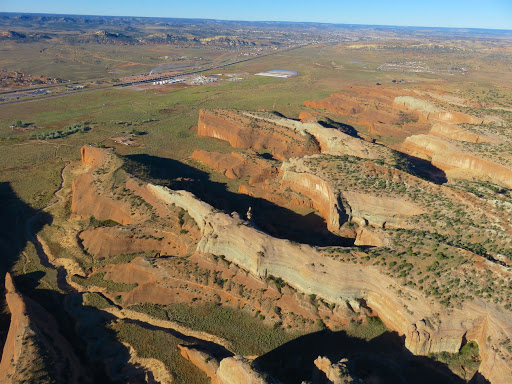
[496, 14]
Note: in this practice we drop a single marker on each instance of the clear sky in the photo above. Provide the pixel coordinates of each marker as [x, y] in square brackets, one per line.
[496, 14]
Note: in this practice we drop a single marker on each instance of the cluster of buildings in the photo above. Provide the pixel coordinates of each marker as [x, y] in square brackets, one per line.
[168, 81]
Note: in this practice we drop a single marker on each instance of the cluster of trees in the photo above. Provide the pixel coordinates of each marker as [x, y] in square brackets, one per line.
[69, 130]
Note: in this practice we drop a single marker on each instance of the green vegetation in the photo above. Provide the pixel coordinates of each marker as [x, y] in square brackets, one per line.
[67, 131]
[95, 223]
[98, 280]
[367, 330]
[248, 335]
[162, 346]
[96, 300]
[465, 363]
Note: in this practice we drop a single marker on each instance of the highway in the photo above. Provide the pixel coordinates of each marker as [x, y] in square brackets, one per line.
[143, 81]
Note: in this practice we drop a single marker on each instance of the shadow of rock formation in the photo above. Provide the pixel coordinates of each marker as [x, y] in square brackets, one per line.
[382, 360]
[271, 218]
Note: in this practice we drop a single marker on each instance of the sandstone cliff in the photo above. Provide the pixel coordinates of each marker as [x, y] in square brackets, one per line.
[446, 156]
[336, 373]
[243, 132]
[337, 204]
[426, 324]
[237, 165]
[34, 348]
[332, 141]
[409, 312]
[453, 132]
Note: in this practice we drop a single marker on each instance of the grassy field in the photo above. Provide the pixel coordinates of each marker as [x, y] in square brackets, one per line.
[162, 346]
[81, 62]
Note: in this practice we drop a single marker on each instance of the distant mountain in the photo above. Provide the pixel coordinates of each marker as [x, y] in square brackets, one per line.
[13, 35]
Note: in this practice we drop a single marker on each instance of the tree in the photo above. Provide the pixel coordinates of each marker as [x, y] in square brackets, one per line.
[19, 123]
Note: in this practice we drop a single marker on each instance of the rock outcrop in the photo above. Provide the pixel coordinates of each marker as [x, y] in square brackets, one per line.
[19, 323]
[230, 370]
[447, 157]
[34, 336]
[237, 165]
[93, 156]
[336, 373]
[324, 198]
[86, 201]
[331, 141]
[338, 205]
[306, 269]
[337, 103]
[453, 132]
[242, 131]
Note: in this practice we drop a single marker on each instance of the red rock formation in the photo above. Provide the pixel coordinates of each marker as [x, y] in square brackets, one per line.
[230, 370]
[337, 206]
[93, 156]
[34, 335]
[324, 199]
[87, 202]
[337, 103]
[19, 323]
[237, 165]
[306, 117]
[107, 242]
[241, 131]
[336, 373]
[449, 158]
[453, 132]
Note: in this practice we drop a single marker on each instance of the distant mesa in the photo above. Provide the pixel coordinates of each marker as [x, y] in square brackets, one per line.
[280, 73]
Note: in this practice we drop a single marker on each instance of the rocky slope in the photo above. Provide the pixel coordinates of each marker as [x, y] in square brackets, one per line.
[229, 370]
[35, 351]
[242, 131]
[337, 281]
[428, 326]
[447, 156]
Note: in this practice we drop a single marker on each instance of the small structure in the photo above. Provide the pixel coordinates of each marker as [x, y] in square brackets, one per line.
[280, 73]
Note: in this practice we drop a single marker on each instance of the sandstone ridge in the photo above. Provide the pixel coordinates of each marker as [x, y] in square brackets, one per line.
[427, 326]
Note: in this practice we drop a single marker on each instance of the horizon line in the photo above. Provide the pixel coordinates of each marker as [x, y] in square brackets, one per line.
[260, 21]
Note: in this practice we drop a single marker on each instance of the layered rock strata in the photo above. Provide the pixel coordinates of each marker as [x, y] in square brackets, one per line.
[243, 132]
[447, 157]
[309, 271]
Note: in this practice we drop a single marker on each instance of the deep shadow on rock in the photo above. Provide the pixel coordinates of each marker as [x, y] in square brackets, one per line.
[271, 218]
[14, 214]
[383, 360]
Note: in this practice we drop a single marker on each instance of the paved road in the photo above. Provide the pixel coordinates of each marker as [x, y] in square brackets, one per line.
[127, 84]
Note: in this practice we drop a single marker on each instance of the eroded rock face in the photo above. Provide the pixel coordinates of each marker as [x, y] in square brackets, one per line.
[93, 156]
[332, 141]
[202, 360]
[324, 198]
[230, 370]
[237, 165]
[241, 131]
[34, 336]
[19, 323]
[336, 373]
[426, 324]
[338, 206]
[372, 236]
[336, 281]
[337, 103]
[430, 112]
[106, 242]
[86, 201]
[446, 156]
[453, 132]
